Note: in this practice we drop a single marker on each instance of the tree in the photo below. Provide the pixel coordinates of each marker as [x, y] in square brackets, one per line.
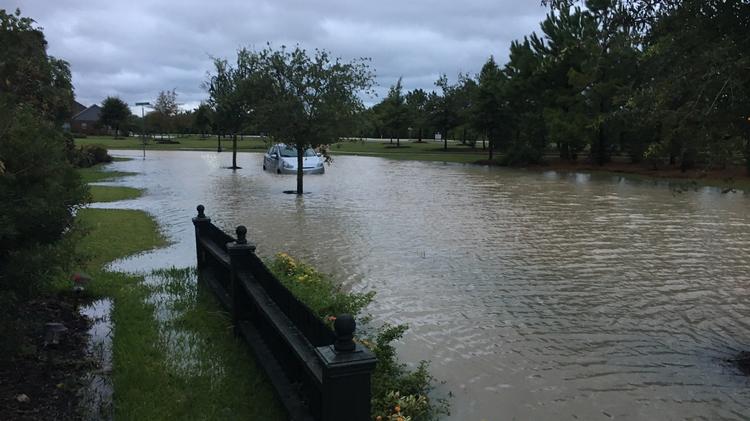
[395, 112]
[115, 113]
[203, 119]
[165, 109]
[489, 111]
[232, 94]
[306, 100]
[27, 74]
[39, 188]
[416, 104]
[697, 93]
[442, 108]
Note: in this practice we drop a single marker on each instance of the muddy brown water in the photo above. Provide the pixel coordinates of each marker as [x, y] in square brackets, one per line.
[536, 295]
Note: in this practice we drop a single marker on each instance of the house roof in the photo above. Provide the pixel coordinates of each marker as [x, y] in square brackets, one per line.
[77, 107]
[90, 114]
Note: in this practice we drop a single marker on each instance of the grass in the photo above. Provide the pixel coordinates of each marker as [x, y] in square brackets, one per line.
[96, 173]
[427, 151]
[113, 193]
[174, 356]
[186, 143]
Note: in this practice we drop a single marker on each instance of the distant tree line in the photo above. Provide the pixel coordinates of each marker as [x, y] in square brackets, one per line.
[661, 81]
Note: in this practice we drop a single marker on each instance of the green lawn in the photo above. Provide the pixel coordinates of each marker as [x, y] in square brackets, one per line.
[427, 151]
[187, 143]
[113, 193]
[98, 173]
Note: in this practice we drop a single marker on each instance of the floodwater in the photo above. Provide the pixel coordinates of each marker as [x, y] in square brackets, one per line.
[536, 295]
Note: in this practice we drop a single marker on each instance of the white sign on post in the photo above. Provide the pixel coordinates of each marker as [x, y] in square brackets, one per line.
[438, 136]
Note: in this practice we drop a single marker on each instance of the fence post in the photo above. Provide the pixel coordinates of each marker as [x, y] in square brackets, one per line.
[200, 221]
[347, 367]
[239, 251]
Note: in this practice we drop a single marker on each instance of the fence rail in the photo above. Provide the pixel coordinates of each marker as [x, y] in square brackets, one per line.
[318, 373]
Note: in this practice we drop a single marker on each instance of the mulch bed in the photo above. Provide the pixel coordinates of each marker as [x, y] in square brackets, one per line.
[42, 382]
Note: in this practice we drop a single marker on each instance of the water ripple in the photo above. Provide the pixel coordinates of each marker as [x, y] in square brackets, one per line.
[536, 295]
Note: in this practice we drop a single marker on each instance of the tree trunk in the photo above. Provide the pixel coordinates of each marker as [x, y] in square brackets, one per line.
[218, 140]
[300, 152]
[564, 151]
[234, 152]
[420, 135]
[398, 142]
[445, 141]
[492, 149]
[600, 153]
[747, 155]
[463, 137]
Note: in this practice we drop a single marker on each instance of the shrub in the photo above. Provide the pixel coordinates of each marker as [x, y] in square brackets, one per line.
[397, 392]
[90, 155]
[40, 192]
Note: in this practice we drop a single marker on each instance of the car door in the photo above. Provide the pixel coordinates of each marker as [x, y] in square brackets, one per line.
[267, 159]
[274, 158]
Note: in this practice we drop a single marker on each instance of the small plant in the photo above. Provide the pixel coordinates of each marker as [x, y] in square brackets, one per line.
[397, 392]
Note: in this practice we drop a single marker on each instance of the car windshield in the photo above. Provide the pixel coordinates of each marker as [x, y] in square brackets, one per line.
[291, 151]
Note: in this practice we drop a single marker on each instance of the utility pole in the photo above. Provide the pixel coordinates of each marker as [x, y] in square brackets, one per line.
[143, 124]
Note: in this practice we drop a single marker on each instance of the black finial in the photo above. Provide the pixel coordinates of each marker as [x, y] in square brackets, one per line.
[201, 208]
[241, 234]
[344, 326]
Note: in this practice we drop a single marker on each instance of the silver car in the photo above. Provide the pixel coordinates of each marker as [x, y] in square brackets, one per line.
[282, 159]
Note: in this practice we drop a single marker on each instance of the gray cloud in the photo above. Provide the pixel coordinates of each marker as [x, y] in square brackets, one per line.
[134, 49]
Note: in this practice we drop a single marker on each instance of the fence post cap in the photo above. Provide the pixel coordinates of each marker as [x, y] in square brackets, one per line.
[344, 326]
[201, 215]
[241, 234]
[240, 245]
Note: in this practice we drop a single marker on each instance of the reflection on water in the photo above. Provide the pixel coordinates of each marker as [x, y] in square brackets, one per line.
[535, 295]
[96, 396]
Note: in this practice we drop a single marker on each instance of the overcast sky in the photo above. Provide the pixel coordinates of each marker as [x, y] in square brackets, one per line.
[134, 49]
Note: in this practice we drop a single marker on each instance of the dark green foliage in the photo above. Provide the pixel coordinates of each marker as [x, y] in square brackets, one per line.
[203, 119]
[394, 113]
[299, 98]
[90, 155]
[27, 74]
[115, 113]
[40, 192]
[39, 188]
[662, 81]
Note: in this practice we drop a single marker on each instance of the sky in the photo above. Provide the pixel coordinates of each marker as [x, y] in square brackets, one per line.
[134, 49]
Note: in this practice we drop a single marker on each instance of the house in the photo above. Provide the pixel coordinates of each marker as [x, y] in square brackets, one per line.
[87, 121]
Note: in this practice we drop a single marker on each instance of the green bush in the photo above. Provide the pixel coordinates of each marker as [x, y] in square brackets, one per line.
[40, 191]
[397, 392]
[90, 155]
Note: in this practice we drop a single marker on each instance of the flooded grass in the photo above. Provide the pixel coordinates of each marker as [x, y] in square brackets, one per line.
[96, 173]
[190, 365]
[162, 348]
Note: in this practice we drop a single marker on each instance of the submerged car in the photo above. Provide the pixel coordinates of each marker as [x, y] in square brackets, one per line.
[282, 159]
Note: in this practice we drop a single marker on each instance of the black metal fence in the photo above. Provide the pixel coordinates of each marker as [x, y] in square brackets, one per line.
[318, 373]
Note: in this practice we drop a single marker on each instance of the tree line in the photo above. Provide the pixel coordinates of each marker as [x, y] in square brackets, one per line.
[659, 81]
